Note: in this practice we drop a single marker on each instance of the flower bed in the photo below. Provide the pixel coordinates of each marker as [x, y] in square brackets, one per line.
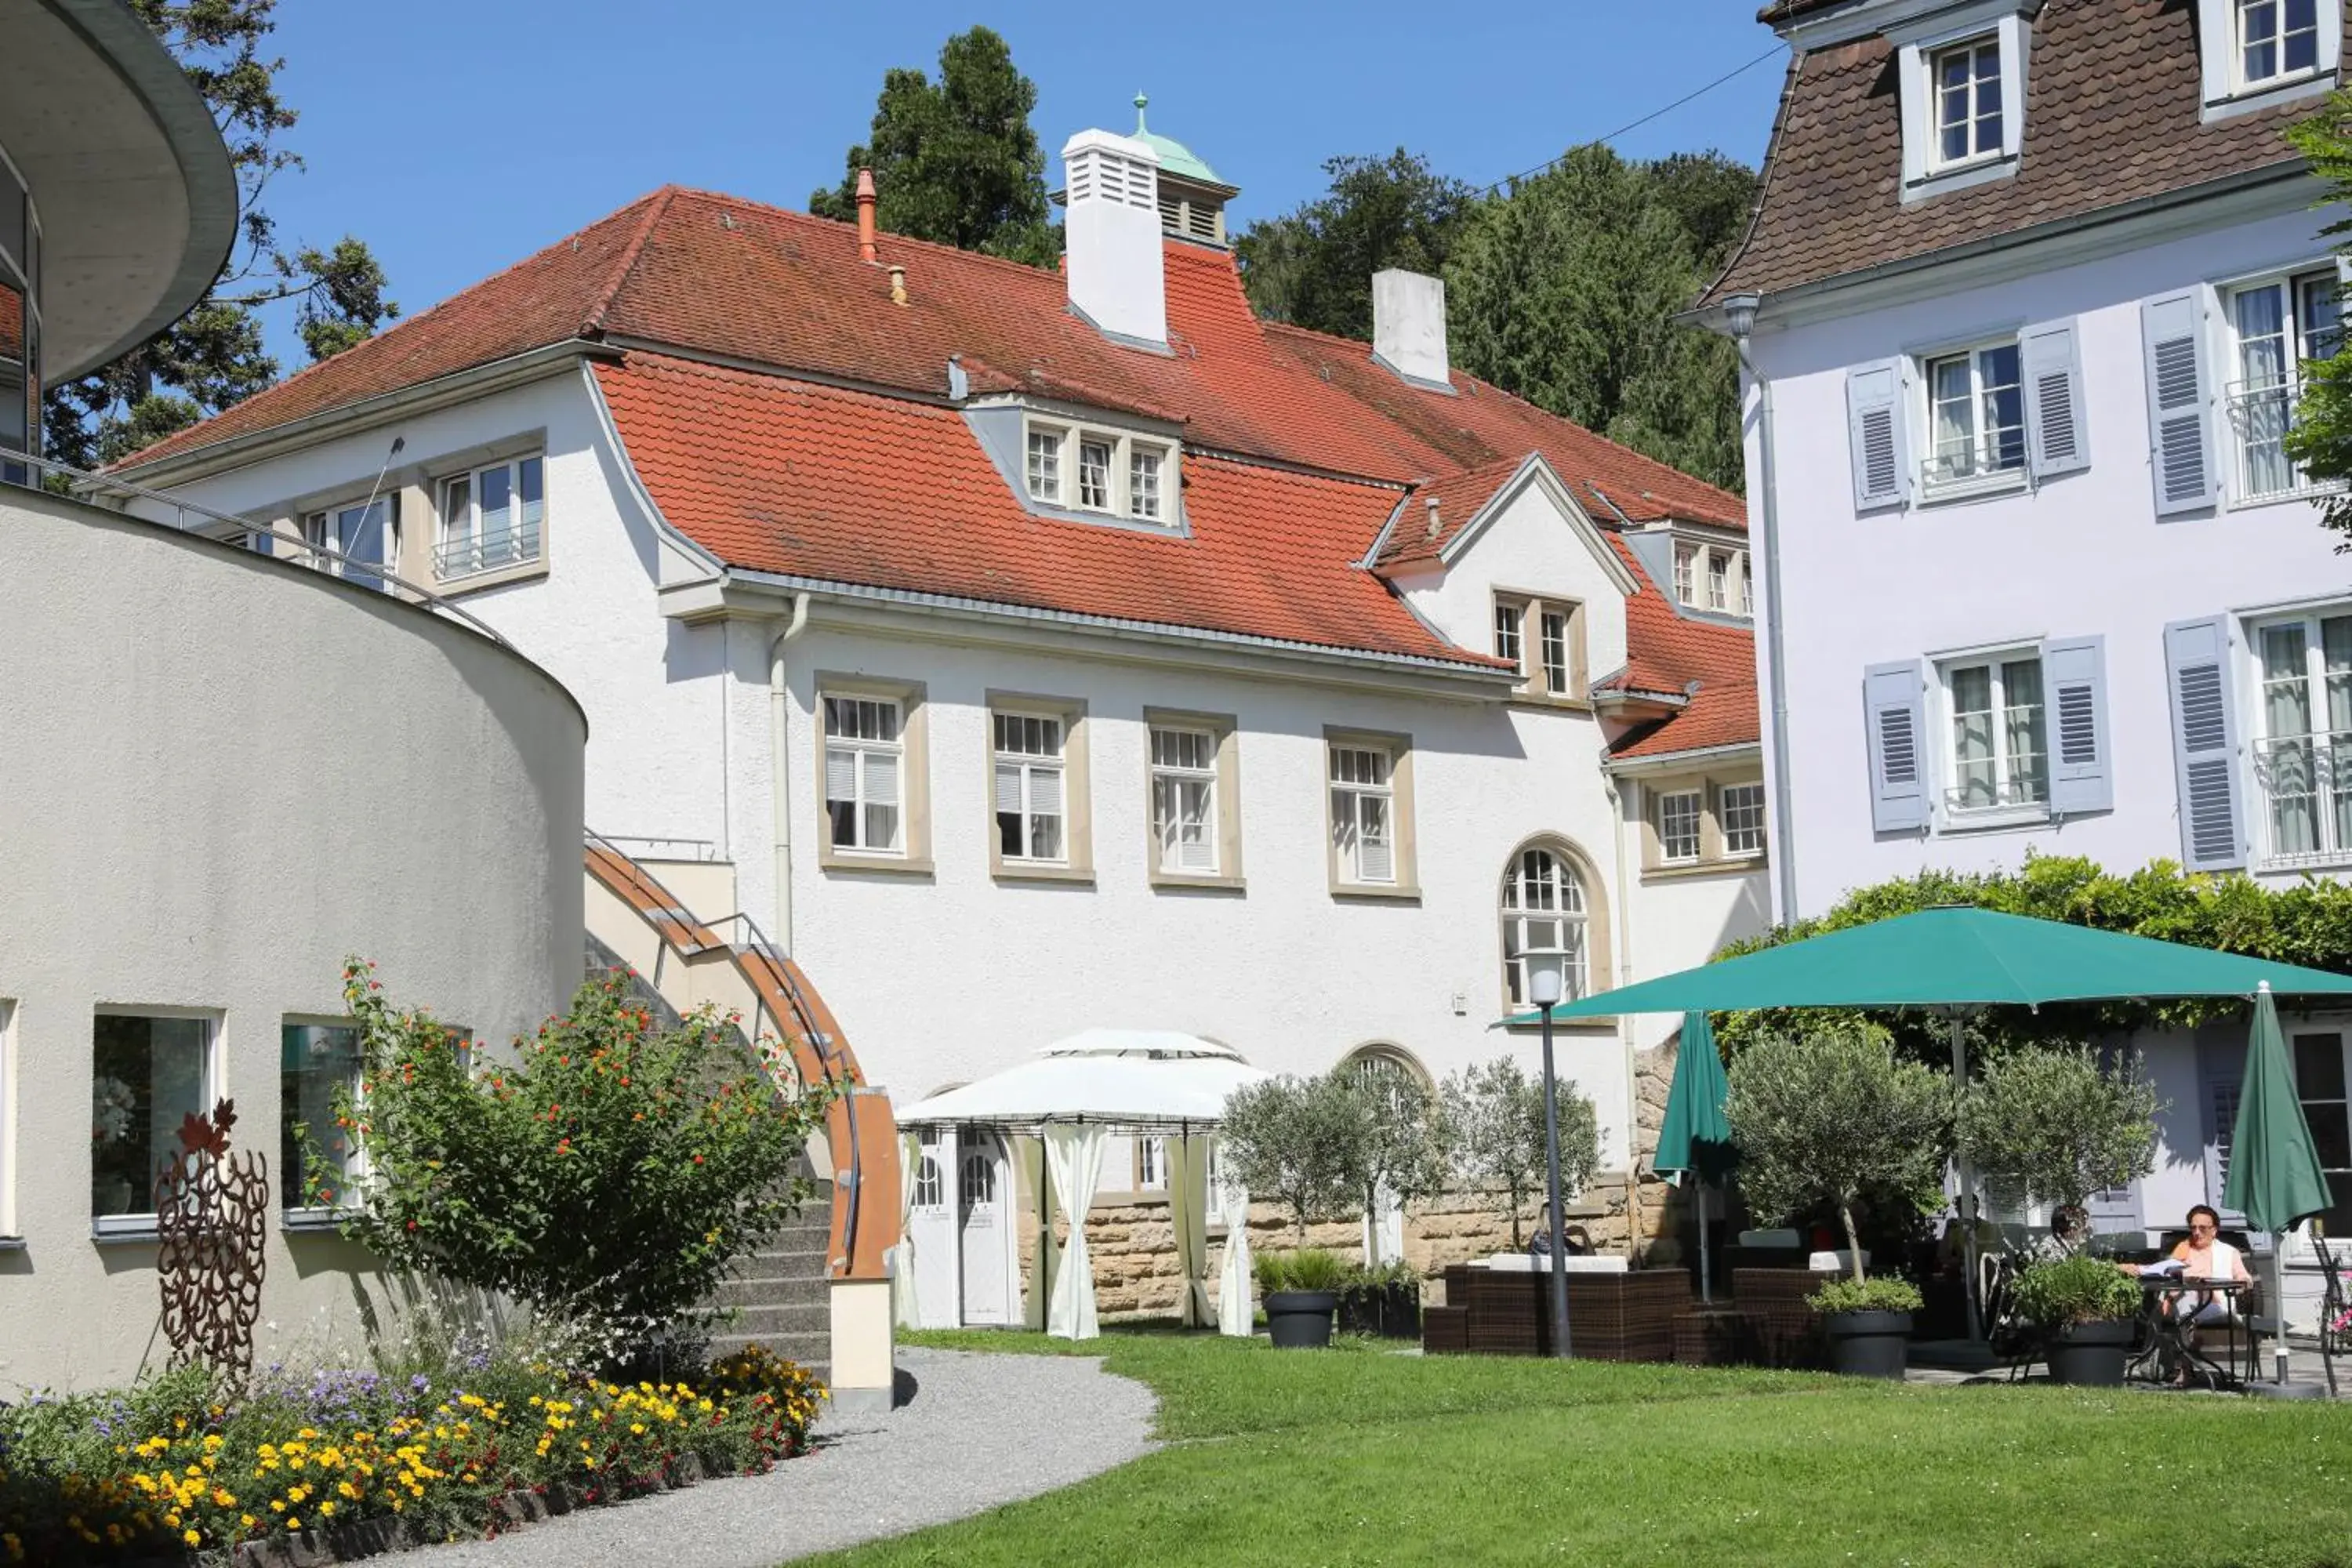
[172, 1466]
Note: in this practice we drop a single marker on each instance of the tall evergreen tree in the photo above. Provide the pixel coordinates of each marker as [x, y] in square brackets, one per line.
[1564, 292]
[1313, 267]
[214, 356]
[956, 160]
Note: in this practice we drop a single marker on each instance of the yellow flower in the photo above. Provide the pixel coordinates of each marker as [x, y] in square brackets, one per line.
[193, 1538]
[327, 1509]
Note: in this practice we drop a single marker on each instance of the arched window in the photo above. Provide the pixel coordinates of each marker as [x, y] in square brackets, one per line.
[928, 1195]
[1386, 1064]
[1543, 908]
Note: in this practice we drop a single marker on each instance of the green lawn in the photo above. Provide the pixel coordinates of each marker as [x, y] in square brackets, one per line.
[1356, 1456]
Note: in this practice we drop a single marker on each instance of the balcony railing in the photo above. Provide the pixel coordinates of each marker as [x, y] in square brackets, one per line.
[470, 555]
[2259, 414]
[2306, 783]
[2023, 785]
[2002, 453]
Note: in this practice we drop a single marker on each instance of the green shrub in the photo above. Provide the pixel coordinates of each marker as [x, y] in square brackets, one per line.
[1308, 1269]
[2073, 1291]
[608, 1173]
[1494, 1135]
[1879, 1293]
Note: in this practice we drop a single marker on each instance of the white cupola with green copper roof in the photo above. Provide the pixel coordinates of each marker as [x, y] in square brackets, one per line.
[1191, 198]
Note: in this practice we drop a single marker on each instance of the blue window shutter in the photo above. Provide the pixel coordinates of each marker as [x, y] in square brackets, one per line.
[2180, 403]
[2204, 744]
[2082, 763]
[1874, 406]
[2057, 441]
[1896, 712]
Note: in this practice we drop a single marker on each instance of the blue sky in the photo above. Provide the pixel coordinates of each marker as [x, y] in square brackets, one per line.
[456, 138]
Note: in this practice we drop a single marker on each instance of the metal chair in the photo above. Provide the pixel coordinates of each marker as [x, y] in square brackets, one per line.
[2335, 1309]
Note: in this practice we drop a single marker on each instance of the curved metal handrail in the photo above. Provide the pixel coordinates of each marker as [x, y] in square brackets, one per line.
[87, 485]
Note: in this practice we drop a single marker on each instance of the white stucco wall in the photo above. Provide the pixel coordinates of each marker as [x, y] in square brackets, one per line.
[2084, 554]
[222, 774]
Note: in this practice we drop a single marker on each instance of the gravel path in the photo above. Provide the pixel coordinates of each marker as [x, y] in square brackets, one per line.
[981, 1430]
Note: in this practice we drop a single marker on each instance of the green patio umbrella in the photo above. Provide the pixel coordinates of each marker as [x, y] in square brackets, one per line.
[2274, 1177]
[1955, 960]
[1695, 1139]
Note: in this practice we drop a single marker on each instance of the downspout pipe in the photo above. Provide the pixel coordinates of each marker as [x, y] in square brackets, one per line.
[1739, 314]
[780, 769]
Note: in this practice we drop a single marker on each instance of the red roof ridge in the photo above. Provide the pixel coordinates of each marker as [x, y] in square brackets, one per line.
[656, 204]
[885, 238]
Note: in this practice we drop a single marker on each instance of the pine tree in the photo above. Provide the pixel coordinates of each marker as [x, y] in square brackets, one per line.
[956, 160]
[1313, 267]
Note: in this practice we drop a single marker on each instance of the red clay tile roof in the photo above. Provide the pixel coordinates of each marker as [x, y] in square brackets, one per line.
[2113, 93]
[859, 487]
[1714, 664]
[866, 484]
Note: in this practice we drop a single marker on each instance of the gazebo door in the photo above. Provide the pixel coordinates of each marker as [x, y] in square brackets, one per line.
[982, 1192]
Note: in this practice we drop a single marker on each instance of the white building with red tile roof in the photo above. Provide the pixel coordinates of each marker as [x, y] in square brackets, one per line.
[1020, 675]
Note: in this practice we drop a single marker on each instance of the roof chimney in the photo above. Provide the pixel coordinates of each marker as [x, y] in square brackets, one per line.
[867, 250]
[1112, 252]
[898, 285]
[1435, 527]
[1409, 326]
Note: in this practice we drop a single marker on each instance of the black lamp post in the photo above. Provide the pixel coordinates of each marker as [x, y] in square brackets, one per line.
[1547, 980]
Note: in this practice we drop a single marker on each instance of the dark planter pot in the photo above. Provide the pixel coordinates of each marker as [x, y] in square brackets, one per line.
[1300, 1320]
[2090, 1355]
[1868, 1344]
[1391, 1311]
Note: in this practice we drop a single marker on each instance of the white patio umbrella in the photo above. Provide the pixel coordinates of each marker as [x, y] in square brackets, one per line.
[1079, 1091]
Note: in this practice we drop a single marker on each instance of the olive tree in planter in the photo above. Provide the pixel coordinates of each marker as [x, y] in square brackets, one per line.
[1401, 1160]
[1297, 1142]
[1829, 1118]
[1493, 1137]
[2049, 1124]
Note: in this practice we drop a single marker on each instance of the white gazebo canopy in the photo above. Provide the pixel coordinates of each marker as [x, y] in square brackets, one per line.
[1142, 1082]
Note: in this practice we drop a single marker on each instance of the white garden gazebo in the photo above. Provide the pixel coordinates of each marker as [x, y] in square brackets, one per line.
[1149, 1083]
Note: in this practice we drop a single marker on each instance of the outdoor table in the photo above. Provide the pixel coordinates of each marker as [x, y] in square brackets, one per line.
[2164, 1294]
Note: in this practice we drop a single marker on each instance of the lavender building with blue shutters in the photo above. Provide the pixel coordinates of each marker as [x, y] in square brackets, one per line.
[2026, 306]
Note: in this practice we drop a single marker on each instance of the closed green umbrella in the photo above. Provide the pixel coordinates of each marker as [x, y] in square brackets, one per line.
[2274, 1177]
[1696, 1138]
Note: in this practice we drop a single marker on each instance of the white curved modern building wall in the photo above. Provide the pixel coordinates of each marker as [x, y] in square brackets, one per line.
[220, 774]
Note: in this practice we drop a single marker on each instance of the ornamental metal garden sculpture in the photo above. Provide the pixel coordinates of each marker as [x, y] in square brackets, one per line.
[210, 1210]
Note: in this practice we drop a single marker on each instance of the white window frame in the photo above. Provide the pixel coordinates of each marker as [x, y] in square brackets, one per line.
[1972, 90]
[1028, 768]
[2330, 765]
[1671, 803]
[355, 1169]
[1558, 673]
[1985, 470]
[858, 747]
[1522, 623]
[1168, 852]
[143, 1224]
[1732, 848]
[8, 1119]
[2243, 14]
[460, 553]
[1511, 634]
[323, 527]
[1150, 1163]
[1687, 573]
[1356, 798]
[2008, 804]
[1572, 908]
[2258, 411]
[2299, 1247]
[1918, 45]
[1123, 498]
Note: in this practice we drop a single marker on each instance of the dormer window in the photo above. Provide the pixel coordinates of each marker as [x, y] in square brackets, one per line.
[1107, 472]
[1711, 577]
[1967, 101]
[1963, 100]
[2258, 53]
[2277, 40]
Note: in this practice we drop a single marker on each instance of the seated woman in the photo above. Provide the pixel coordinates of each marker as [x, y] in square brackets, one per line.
[2070, 1232]
[1578, 1240]
[2203, 1255]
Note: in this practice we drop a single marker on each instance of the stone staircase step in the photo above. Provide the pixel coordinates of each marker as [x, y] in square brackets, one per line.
[762, 1291]
[768, 1321]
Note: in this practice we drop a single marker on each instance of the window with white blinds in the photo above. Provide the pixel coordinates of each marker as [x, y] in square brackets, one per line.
[1030, 774]
[1184, 800]
[1363, 815]
[865, 768]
